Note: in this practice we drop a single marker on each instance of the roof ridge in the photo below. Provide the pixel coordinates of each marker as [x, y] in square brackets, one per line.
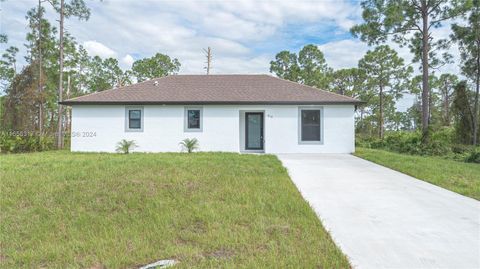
[119, 88]
[88, 94]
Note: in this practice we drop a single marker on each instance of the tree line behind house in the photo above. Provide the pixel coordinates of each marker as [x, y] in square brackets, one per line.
[381, 79]
[444, 103]
[444, 119]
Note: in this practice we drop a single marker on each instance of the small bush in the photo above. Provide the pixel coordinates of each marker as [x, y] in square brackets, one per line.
[473, 156]
[411, 142]
[125, 146]
[460, 148]
[369, 142]
[189, 144]
[404, 142]
[27, 143]
[435, 148]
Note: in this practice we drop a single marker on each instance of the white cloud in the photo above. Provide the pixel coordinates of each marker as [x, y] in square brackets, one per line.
[244, 34]
[95, 48]
[343, 53]
[222, 23]
[279, 13]
[127, 61]
[233, 29]
[231, 65]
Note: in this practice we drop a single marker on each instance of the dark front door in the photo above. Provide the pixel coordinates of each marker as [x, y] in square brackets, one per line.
[254, 130]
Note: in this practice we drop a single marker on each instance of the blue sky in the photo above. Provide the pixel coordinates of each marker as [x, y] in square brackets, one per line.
[244, 35]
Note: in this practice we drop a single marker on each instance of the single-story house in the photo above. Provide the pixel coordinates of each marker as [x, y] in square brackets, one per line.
[236, 113]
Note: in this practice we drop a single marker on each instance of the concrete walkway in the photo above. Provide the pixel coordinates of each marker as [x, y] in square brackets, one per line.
[381, 218]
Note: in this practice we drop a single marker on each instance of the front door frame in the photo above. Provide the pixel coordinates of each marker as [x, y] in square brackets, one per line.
[261, 130]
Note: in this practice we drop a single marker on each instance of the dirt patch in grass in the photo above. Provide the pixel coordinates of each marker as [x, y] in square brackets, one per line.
[220, 254]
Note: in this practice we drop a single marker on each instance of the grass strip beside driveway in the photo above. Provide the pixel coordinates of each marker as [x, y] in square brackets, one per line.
[462, 178]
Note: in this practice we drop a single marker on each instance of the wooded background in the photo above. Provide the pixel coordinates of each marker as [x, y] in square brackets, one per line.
[446, 107]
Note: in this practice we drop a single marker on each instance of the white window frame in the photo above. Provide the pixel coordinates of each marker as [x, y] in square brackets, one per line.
[185, 121]
[127, 122]
[300, 141]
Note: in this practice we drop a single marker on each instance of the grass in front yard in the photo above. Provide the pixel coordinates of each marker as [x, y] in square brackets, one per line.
[221, 210]
[463, 178]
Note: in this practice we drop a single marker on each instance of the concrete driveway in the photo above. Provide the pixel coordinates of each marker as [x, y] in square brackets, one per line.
[381, 218]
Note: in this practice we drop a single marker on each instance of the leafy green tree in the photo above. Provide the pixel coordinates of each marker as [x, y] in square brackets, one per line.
[409, 22]
[415, 114]
[10, 57]
[309, 67]
[20, 101]
[446, 84]
[42, 49]
[400, 121]
[435, 118]
[286, 66]
[352, 82]
[468, 39]
[104, 74]
[366, 125]
[83, 62]
[349, 81]
[435, 103]
[386, 76]
[314, 70]
[463, 114]
[8, 67]
[7, 74]
[159, 65]
[72, 57]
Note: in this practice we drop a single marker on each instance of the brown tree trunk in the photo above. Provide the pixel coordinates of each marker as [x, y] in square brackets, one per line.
[380, 116]
[425, 86]
[60, 83]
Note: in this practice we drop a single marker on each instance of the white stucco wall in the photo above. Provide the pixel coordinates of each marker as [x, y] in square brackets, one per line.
[222, 129]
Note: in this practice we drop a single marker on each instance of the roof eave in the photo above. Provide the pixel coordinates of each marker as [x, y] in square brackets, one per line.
[353, 102]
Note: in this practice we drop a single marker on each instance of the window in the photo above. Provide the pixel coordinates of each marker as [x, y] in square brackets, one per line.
[193, 119]
[134, 119]
[310, 125]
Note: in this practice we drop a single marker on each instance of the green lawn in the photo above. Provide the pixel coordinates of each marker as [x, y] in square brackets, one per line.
[206, 210]
[463, 178]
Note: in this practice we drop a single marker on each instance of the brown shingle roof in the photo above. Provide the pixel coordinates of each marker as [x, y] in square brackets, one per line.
[214, 89]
